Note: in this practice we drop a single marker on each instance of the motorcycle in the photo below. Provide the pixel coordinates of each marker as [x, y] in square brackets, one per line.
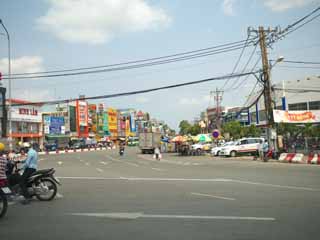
[42, 184]
[121, 151]
[4, 191]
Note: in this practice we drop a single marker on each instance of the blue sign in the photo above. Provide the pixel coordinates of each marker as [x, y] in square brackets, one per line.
[55, 125]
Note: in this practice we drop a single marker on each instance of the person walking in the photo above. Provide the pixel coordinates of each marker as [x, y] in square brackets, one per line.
[265, 149]
[157, 153]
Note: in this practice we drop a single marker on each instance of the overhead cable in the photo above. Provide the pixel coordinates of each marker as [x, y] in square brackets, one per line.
[198, 52]
[138, 91]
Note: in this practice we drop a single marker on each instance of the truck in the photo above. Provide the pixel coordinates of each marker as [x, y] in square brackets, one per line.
[148, 141]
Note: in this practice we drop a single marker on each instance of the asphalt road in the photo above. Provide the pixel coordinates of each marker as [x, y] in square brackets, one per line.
[105, 196]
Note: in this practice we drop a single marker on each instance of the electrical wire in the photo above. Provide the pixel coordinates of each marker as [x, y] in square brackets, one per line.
[138, 91]
[203, 50]
[285, 66]
[299, 62]
[223, 50]
[237, 62]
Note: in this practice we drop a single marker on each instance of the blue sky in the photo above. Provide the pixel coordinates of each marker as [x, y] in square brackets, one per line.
[52, 34]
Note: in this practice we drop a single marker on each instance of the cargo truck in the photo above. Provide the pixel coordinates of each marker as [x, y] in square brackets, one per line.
[148, 141]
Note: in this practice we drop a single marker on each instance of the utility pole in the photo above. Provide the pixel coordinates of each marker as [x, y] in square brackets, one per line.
[261, 32]
[218, 100]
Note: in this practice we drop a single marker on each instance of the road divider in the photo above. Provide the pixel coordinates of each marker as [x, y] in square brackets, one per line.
[314, 158]
[291, 157]
[74, 150]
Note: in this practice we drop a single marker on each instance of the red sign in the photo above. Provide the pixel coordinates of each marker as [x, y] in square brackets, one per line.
[28, 111]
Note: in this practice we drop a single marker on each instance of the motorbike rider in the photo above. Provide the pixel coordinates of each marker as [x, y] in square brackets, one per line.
[3, 164]
[122, 146]
[30, 166]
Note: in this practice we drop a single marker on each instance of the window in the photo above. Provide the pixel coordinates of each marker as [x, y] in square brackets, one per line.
[251, 141]
[298, 106]
[244, 142]
[315, 105]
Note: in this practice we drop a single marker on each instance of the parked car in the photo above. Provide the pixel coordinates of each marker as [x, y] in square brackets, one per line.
[201, 147]
[216, 150]
[243, 146]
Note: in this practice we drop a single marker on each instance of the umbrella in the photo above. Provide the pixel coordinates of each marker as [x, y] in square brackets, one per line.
[203, 138]
[177, 139]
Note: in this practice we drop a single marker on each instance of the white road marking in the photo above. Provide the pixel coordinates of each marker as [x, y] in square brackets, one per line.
[113, 159]
[81, 160]
[60, 163]
[41, 159]
[161, 216]
[104, 163]
[99, 170]
[88, 164]
[158, 169]
[132, 164]
[212, 196]
[195, 180]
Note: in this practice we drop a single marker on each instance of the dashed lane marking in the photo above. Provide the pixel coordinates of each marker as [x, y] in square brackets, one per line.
[88, 164]
[212, 196]
[158, 169]
[60, 163]
[99, 170]
[104, 163]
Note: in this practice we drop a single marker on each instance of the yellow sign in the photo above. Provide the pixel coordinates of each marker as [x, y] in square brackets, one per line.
[113, 120]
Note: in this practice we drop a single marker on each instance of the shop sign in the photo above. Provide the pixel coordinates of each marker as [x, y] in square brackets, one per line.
[112, 119]
[296, 116]
[82, 113]
[132, 122]
[26, 114]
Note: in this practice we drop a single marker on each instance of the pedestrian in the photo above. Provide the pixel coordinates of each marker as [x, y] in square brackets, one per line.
[157, 153]
[260, 150]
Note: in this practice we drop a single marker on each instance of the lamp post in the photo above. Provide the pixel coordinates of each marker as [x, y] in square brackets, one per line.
[9, 85]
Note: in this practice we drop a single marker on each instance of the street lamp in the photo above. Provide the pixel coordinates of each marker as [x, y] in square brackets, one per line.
[9, 85]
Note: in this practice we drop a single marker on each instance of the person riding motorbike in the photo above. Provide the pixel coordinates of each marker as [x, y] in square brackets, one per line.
[121, 147]
[3, 164]
[30, 166]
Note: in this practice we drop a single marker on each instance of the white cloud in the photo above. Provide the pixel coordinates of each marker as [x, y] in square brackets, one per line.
[142, 99]
[22, 64]
[194, 101]
[228, 7]
[283, 5]
[33, 95]
[98, 21]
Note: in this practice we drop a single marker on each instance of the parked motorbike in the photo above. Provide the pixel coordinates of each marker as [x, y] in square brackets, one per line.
[4, 191]
[42, 184]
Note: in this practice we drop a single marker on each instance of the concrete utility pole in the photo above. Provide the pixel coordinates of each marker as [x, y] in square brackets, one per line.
[218, 100]
[261, 32]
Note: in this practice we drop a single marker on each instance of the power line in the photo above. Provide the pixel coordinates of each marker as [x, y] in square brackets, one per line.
[285, 66]
[289, 29]
[223, 50]
[299, 62]
[237, 62]
[138, 91]
[203, 50]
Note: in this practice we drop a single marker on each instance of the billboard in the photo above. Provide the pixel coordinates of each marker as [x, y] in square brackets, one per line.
[113, 121]
[26, 114]
[132, 122]
[296, 116]
[105, 125]
[82, 110]
[54, 125]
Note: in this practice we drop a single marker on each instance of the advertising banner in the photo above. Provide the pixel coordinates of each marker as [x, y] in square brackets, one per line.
[105, 122]
[132, 122]
[296, 116]
[113, 121]
[82, 113]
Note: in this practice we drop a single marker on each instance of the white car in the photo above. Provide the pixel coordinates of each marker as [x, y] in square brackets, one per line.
[201, 146]
[216, 150]
[243, 146]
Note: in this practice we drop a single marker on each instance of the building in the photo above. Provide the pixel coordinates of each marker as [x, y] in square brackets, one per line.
[26, 122]
[290, 95]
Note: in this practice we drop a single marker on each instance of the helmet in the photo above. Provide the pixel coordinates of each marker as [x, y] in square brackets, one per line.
[2, 147]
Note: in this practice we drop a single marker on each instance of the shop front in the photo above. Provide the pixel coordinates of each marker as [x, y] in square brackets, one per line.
[26, 122]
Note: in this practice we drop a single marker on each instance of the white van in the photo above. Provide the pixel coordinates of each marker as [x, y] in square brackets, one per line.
[243, 146]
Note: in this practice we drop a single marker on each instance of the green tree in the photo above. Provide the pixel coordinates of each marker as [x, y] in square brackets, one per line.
[234, 128]
[194, 130]
[251, 131]
[184, 127]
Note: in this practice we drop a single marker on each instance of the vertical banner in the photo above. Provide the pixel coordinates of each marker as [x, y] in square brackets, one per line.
[82, 113]
[113, 121]
[72, 119]
[105, 122]
[132, 122]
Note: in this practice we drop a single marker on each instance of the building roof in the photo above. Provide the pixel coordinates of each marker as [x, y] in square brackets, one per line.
[20, 101]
